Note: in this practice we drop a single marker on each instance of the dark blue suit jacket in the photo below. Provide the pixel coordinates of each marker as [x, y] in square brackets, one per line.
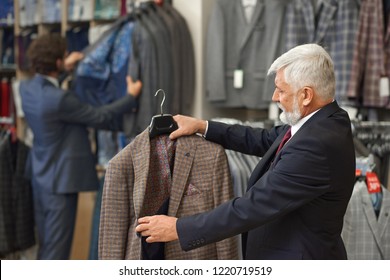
[294, 207]
[61, 160]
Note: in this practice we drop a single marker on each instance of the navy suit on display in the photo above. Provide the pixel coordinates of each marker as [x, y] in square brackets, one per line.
[295, 201]
[61, 162]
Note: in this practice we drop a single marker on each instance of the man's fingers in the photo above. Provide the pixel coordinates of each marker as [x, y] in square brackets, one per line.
[144, 220]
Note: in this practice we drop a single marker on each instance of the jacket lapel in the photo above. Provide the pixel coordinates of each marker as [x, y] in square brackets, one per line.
[266, 160]
[254, 21]
[326, 18]
[309, 18]
[184, 157]
[141, 170]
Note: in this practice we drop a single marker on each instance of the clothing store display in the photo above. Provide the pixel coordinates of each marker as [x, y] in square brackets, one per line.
[106, 9]
[238, 54]
[5, 94]
[7, 12]
[16, 202]
[7, 52]
[51, 11]
[370, 62]
[28, 13]
[332, 24]
[366, 236]
[153, 62]
[135, 175]
[80, 10]
[198, 181]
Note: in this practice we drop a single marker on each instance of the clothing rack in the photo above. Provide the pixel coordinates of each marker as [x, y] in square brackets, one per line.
[374, 135]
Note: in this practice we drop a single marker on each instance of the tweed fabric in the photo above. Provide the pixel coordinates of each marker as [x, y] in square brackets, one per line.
[200, 181]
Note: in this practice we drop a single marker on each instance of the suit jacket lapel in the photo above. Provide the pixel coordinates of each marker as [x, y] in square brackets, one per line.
[325, 19]
[309, 18]
[254, 20]
[266, 160]
[141, 170]
[184, 157]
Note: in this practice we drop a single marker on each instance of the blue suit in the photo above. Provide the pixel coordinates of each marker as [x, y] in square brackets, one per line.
[296, 200]
[61, 161]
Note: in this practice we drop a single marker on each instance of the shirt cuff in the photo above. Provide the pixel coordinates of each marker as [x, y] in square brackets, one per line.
[205, 131]
[207, 128]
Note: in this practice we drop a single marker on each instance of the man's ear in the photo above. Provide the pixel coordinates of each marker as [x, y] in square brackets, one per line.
[308, 94]
[59, 64]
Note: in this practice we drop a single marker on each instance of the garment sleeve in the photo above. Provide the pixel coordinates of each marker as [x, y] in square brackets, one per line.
[115, 215]
[104, 117]
[243, 139]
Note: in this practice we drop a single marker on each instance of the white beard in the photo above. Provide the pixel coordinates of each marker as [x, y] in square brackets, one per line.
[293, 117]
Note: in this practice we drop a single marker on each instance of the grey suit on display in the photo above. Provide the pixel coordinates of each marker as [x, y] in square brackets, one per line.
[234, 44]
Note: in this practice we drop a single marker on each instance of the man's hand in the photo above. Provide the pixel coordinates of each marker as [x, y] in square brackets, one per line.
[159, 228]
[187, 126]
[133, 88]
[71, 60]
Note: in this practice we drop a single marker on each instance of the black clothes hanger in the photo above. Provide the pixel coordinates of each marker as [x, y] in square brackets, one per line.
[163, 123]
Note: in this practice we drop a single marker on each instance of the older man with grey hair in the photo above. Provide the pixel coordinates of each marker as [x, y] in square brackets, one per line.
[298, 193]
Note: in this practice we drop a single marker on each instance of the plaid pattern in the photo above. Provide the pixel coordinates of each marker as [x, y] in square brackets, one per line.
[16, 205]
[334, 27]
[370, 61]
[366, 237]
[200, 181]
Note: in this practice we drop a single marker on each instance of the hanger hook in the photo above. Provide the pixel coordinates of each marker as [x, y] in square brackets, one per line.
[162, 102]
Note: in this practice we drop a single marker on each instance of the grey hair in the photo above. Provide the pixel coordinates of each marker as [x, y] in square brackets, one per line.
[307, 65]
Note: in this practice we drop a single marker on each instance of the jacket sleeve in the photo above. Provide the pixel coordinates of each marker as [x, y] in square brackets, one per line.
[104, 117]
[115, 216]
[243, 139]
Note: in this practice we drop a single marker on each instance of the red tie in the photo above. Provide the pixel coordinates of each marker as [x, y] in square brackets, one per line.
[284, 140]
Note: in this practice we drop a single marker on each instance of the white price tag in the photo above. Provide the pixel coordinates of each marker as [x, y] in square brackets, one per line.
[238, 81]
[384, 90]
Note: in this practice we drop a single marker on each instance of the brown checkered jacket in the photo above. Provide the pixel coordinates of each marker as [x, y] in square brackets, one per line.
[200, 181]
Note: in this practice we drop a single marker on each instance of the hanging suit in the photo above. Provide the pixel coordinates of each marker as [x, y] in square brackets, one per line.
[200, 181]
[370, 56]
[333, 25]
[233, 44]
[366, 236]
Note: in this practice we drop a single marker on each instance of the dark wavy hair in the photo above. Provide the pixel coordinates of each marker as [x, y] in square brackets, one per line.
[44, 51]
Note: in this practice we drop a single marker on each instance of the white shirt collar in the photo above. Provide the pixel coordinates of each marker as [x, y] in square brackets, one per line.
[299, 124]
[54, 81]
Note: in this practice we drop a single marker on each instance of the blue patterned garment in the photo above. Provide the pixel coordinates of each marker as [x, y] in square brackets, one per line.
[110, 54]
